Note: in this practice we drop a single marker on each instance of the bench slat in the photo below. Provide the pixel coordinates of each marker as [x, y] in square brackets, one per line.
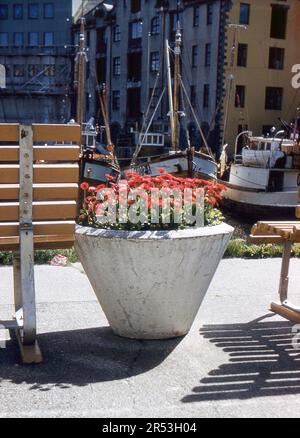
[9, 132]
[58, 133]
[41, 192]
[40, 242]
[42, 173]
[8, 229]
[42, 211]
[265, 240]
[46, 153]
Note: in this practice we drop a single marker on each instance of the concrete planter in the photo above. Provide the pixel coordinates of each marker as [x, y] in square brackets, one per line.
[151, 284]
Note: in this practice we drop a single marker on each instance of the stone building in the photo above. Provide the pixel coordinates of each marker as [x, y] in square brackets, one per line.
[37, 52]
[126, 50]
[266, 51]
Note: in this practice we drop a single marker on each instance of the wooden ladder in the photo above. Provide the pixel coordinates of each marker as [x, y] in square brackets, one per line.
[286, 233]
[38, 208]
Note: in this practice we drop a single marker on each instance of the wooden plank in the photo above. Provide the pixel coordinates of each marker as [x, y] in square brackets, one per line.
[8, 229]
[42, 211]
[46, 153]
[43, 173]
[288, 314]
[41, 192]
[265, 240]
[298, 211]
[57, 133]
[40, 242]
[9, 132]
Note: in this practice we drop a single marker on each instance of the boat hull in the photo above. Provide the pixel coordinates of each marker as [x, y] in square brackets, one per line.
[177, 164]
[96, 171]
[258, 205]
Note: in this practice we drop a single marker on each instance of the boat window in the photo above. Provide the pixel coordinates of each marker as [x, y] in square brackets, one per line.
[268, 148]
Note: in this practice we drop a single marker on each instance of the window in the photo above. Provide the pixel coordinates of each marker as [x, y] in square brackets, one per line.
[116, 98]
[18, 38]
[32, 70]
[207, 54]
[240, 93]
[154, 61]
[194, 56]
[48, 38]
[206, 96]
[155, 26]
[49, 70]
[48, 10]
[117, 66]
[274, 97]
[196, 19]
[136, 30]
[3, 12]
[244, 13]
[276, 58]
[279, 22]
[3, 38]
[18, 12]
[135, 6]
[33, 38]
[19, 70]
[117, 34]
[193, 96]
[33, 11]
[242, 55]
[209, 14]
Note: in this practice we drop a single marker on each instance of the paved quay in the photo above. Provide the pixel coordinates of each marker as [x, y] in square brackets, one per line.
[238, 360]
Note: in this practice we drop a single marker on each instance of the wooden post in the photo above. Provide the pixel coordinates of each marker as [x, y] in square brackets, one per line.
[284, 276]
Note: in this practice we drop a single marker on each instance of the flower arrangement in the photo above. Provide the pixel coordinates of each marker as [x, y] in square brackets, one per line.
[150, 202]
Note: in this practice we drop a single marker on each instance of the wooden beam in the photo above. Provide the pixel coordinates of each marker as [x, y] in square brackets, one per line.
[57, 133]
[45, 153]
[43, 173]
[265, 240]
[9, 132]
[286, 313]
[42, 211]
[8, 229]
[41, 192]
[40, 242]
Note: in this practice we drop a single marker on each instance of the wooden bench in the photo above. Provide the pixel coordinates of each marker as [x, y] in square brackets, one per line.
[286, 233]
[39, 176]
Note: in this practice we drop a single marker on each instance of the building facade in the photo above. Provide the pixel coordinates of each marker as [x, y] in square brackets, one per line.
[126, 51]
[266, 51]
[37, 52]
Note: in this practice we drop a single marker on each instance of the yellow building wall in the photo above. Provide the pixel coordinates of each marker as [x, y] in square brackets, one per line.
[257, 75]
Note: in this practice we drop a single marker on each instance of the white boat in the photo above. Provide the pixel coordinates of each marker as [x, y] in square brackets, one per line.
[264, 180]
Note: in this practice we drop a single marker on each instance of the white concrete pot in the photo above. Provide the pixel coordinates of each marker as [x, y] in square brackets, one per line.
[151, 284]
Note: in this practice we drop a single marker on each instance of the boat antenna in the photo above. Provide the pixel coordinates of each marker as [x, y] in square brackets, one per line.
[81, 60]
[235, 28]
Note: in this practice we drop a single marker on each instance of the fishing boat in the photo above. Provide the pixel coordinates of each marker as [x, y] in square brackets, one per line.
[177, 161]
[264, 178]
[95, 164]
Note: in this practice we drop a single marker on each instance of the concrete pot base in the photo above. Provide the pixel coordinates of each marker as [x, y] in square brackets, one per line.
[151, 284]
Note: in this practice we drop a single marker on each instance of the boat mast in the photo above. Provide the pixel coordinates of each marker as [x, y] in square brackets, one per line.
[170, 93]
[176, 87]
[231, 76]
[81, 72]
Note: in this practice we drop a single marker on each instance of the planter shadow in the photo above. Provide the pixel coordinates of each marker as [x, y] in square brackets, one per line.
[261, 362]
[82, 357]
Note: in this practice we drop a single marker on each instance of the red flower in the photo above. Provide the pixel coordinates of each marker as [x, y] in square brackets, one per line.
[84, 186]
[162, 170]
[110, 178]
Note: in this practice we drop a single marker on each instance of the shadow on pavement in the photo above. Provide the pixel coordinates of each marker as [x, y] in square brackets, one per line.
[261, 362]
[82, 357]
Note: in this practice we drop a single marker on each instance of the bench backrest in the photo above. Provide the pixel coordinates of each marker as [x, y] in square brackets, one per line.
[55, 177]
